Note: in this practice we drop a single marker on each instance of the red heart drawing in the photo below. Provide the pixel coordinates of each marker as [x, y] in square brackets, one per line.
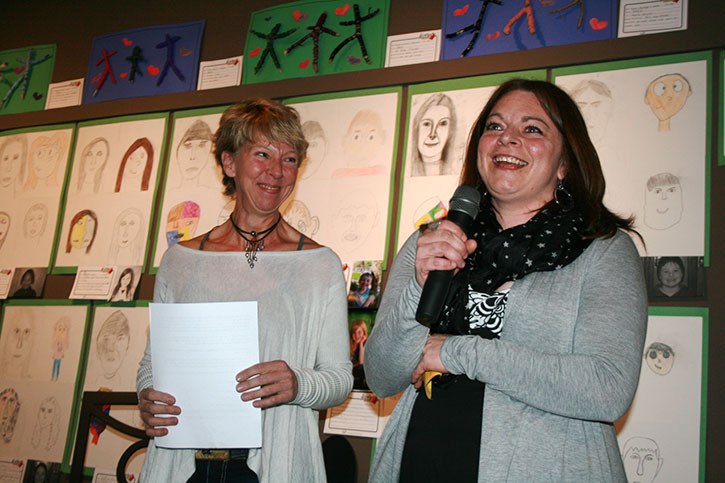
[18, 70]
[126, 42]
[152, 70]
[297, 15]
[340, 11]
[597, 24]
[493, 36]
[123, 75]
[255, 52]
[304, 64]
[431, 36]
[460, 11]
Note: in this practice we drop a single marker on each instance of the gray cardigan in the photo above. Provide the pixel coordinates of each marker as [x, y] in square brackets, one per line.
[566, 366]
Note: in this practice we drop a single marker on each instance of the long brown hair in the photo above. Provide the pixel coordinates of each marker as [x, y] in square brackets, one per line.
[146, 145]
[584, 178]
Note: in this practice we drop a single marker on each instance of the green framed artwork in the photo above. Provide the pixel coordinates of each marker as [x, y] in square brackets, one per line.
[440, 116]
[351, 159]
[111, 192]
[25, 74]
[31, 194]
[662, 437]
[649, 119]
[42, 353]
[192, 199]
[315, 37]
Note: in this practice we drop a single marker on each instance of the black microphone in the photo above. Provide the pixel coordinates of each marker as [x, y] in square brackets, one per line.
[463, 210]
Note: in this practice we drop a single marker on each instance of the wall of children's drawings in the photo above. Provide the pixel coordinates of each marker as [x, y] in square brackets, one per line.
[117, 182]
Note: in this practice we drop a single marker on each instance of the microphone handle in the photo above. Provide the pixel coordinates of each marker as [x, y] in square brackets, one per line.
[433, 297]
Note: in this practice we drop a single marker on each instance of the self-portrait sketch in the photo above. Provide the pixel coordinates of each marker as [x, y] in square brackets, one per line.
[9, 411]
[433, 135]
[13, 151]
[193, 153]
[19, 335]
[660, 358]
[666, 96]
[181, 222]
[353, 224]
[127, 243]
[92, 162]
[4, 227]
[47, 424]
[59, 345]
[124, 289]
[663, 201]
[362, 146]
[82, 232]
[134, 172]
[112, 344]
[44, 163]
[26, 290]
[642, 460]
[35, 220]
[298, 216]
[596, 104]
[316, 150]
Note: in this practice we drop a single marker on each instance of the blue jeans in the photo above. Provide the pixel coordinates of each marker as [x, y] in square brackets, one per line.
[229, 471]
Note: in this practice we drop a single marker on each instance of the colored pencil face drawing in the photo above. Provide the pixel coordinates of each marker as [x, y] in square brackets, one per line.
[83, 228]
[642, 461]
[9, 411]
[666, 96]
[181, 222]
[135, 169]
[93, 160]
[45, 156]
[35, 219]
[363, 145]
[663, 201]
[12, 161]
[194, 151]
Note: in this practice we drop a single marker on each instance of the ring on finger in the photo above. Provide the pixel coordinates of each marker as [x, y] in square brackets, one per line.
[433, 226]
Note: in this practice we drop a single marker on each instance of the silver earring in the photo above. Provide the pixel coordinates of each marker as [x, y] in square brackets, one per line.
[562, 197]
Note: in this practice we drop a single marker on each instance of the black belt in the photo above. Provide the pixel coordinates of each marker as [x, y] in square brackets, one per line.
[222, 454]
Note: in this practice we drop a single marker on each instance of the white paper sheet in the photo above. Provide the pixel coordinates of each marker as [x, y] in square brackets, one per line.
[197, 350]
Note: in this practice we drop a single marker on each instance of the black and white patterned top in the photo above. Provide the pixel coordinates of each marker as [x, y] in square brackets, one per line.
[486, 312]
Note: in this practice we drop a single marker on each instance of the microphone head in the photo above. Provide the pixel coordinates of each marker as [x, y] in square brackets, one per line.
[466, 199]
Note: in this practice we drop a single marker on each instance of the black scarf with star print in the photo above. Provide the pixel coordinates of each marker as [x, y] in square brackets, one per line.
[549, 241]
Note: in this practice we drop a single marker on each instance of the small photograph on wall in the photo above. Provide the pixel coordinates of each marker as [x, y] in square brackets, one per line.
[28, 283]
[41, 471]
[365, 284]
[674, 278]
[360, 324]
